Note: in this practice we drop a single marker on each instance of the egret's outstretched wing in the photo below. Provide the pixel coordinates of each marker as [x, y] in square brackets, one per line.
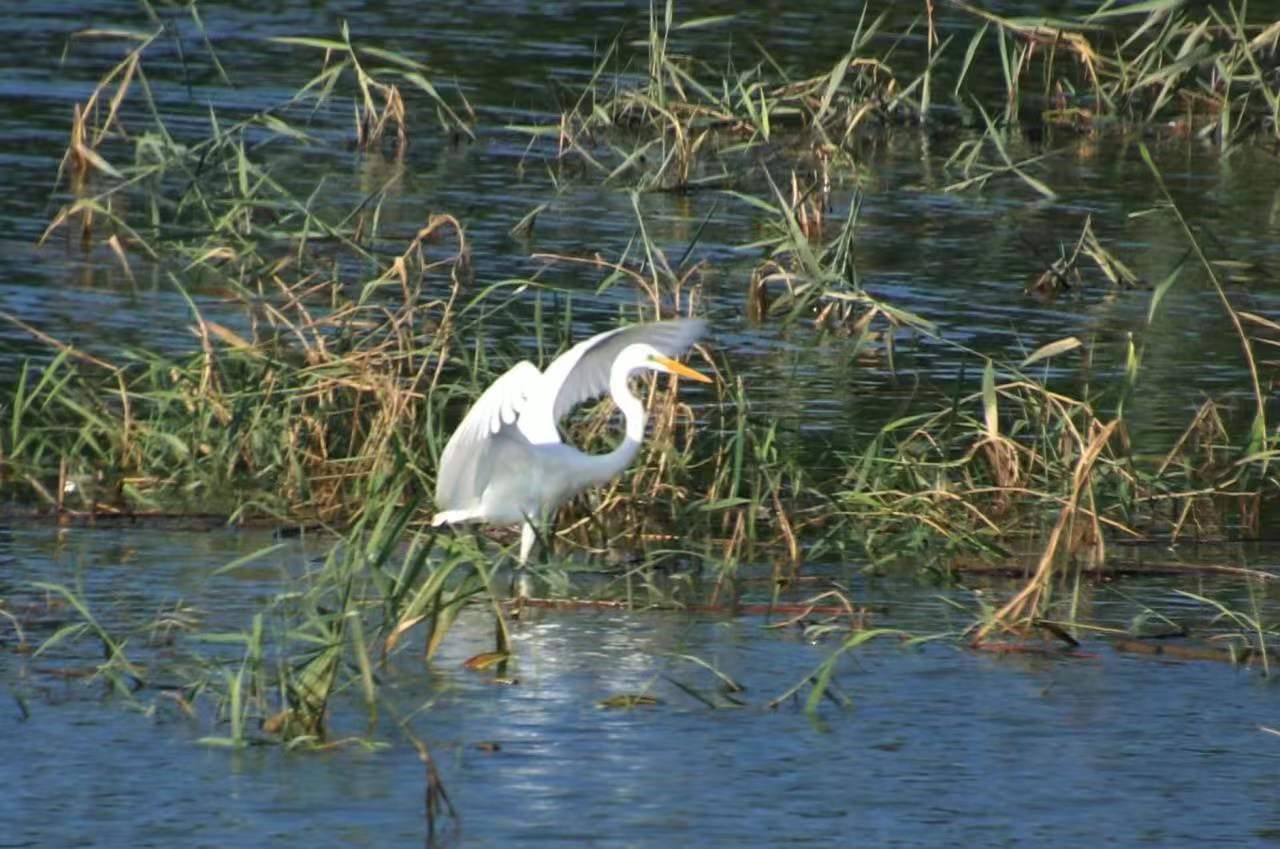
[582, 372]
[467, 462]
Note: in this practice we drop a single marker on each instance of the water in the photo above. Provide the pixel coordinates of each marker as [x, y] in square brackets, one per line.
[942, 746]
[960, 260]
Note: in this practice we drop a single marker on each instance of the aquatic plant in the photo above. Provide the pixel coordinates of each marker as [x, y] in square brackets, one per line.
[665, 120]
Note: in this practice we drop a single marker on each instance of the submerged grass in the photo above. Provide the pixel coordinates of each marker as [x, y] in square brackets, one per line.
[667, 120]
[326, 366]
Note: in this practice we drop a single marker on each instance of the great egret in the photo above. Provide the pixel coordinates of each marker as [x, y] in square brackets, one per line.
[506, 463]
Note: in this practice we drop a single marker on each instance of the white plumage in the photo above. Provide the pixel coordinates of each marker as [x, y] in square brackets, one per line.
[506, 463]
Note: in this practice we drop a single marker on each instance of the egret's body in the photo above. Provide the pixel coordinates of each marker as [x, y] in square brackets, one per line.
[506, 463]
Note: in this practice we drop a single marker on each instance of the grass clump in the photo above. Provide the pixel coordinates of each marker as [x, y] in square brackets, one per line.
[660, 118]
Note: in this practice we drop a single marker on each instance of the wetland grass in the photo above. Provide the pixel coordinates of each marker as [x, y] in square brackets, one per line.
[667, 120]
[326, 363]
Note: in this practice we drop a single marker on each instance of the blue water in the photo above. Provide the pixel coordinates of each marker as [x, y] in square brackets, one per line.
[937, 746]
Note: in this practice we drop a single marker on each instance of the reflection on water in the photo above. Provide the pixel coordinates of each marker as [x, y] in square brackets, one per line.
[941, 747]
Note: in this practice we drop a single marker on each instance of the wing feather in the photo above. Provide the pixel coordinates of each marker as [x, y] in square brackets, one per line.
[582, 372]
[466, 465]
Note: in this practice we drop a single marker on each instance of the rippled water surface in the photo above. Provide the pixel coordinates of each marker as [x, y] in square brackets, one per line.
[939, 747]
[960, 260]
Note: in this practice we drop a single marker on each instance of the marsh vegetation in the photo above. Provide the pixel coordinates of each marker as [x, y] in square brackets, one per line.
[330, 339]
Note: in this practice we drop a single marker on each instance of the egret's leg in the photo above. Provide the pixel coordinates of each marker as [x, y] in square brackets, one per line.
[523, 583]
[528, 536]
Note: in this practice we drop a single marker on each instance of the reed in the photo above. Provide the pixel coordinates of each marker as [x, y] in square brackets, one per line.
[660, 119]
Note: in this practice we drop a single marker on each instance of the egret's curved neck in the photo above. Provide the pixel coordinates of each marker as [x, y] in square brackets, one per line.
[607, 466]
[630, 405]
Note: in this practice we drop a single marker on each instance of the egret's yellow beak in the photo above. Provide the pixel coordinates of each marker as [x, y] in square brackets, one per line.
[682, 369]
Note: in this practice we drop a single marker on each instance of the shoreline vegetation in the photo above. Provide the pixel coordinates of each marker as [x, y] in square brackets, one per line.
[321, 395]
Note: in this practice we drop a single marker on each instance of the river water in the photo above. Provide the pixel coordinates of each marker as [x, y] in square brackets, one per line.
[960, 260]
[939, 746]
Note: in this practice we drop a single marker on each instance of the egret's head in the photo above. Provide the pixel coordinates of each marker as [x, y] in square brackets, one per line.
[655, 361]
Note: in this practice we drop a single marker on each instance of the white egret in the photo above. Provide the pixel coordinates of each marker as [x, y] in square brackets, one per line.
[506, 463]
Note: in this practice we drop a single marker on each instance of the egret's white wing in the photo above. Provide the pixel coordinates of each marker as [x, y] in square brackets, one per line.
[582, 372]
[467, 462]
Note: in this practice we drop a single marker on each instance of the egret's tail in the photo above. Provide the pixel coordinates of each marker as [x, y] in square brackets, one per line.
[453, 517]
